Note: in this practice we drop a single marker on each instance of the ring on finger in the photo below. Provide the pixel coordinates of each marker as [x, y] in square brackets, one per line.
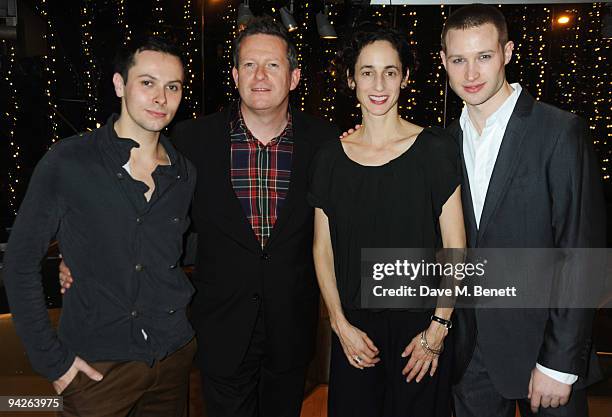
[357, 359]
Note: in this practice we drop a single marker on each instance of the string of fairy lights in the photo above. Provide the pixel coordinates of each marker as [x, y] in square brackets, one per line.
[10, 125]
[532, 49]
[190, 49]
[520, 43]
[229, 19]
[158, 16]
[328, 48]
[90, 74]
[541, 62]
[568, 38]
[436, 81]
[49, 62]
[572, 95]
[600, 118]
[411, 92]
[302, 51]
[122, 21]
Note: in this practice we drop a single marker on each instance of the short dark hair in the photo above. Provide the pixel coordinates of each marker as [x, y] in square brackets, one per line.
[265, 25]
[364, 34]
[475, 15]
[124, 60]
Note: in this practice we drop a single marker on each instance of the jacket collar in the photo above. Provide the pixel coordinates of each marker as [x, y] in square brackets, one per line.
[229, 212]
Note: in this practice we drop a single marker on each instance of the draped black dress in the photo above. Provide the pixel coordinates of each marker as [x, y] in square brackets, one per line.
[394, 205]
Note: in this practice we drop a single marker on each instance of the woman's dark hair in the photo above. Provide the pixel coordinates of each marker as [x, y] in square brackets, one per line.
[124, 59]
[364, 34]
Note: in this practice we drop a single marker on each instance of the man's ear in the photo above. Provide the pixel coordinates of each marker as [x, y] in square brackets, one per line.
[443, 58]
[235, 76]
[295, 78]
[508, 49]
[118, 84]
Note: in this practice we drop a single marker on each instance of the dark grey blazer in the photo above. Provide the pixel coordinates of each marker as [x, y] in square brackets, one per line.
[545, 192]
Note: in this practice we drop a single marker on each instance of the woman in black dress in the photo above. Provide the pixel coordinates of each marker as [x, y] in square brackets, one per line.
[390, 184]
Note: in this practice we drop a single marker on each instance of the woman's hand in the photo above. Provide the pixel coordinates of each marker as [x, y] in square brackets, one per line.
[421, 360]
[359, 349]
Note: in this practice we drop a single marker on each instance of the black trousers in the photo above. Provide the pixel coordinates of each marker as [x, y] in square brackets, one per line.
[476, 396]
[382, 391]
[254, 390]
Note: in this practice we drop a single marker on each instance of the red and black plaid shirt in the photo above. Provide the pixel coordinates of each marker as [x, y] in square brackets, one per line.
[260, 173]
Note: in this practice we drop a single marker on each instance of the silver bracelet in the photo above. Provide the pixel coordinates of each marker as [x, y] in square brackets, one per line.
[425, 345]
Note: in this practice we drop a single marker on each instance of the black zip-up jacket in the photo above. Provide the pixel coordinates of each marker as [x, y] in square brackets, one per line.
[129, 295]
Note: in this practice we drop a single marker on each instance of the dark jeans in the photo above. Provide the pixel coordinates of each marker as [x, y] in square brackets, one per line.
[133, 388]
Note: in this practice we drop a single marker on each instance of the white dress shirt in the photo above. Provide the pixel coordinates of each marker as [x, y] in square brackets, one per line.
[480, 153]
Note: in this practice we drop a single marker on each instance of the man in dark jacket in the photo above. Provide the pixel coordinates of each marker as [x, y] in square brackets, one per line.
[117, 201]
[256, 309]
[531, 180]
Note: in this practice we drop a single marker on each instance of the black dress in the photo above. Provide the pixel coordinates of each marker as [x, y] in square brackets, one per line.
[395, 205]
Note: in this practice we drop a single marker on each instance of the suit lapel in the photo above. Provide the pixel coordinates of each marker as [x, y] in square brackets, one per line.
[507, 159]
[298, 179]
[229, 213]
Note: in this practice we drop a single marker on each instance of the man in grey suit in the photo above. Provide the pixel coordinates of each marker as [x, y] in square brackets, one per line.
[531, 180]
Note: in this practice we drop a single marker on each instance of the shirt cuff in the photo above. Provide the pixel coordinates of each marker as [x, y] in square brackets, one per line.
[562, 377]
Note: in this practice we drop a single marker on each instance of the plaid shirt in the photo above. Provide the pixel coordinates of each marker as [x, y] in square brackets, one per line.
[260, 173]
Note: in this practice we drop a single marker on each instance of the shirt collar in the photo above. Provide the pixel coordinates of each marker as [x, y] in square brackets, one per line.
[121, 146]
[501, 115]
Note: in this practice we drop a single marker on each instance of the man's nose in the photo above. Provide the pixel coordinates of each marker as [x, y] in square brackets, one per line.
[160, 96]
[260, 73]
[472, 72]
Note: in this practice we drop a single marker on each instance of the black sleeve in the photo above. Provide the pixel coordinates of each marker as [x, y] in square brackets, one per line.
[36, 225]
[318, 182]
[579, 221]
[444, 168]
